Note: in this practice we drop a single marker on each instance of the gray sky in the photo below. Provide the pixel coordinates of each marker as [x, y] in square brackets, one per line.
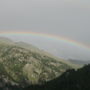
[68, 18]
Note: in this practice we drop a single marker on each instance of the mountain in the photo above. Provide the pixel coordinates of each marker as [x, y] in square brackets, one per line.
[23, 64]
[70, 80]
[79, 62]
[5, 40]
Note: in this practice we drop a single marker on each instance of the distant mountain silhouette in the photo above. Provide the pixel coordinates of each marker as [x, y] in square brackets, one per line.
[79, 62]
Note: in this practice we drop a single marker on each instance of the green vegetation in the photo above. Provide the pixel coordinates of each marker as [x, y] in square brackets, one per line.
[70, 80]
[26, 66]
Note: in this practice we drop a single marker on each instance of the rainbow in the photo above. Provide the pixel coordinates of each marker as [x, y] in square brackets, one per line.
[48, 36]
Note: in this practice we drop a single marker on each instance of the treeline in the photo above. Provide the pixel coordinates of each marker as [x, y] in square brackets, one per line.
[70, 80]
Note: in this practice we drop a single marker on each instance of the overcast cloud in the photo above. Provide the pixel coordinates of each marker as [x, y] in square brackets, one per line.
[68, 18]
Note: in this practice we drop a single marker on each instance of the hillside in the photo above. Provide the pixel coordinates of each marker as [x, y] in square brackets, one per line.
[70, 80]
[24, 66]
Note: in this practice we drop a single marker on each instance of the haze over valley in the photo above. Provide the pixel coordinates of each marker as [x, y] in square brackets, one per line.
[58, 48]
